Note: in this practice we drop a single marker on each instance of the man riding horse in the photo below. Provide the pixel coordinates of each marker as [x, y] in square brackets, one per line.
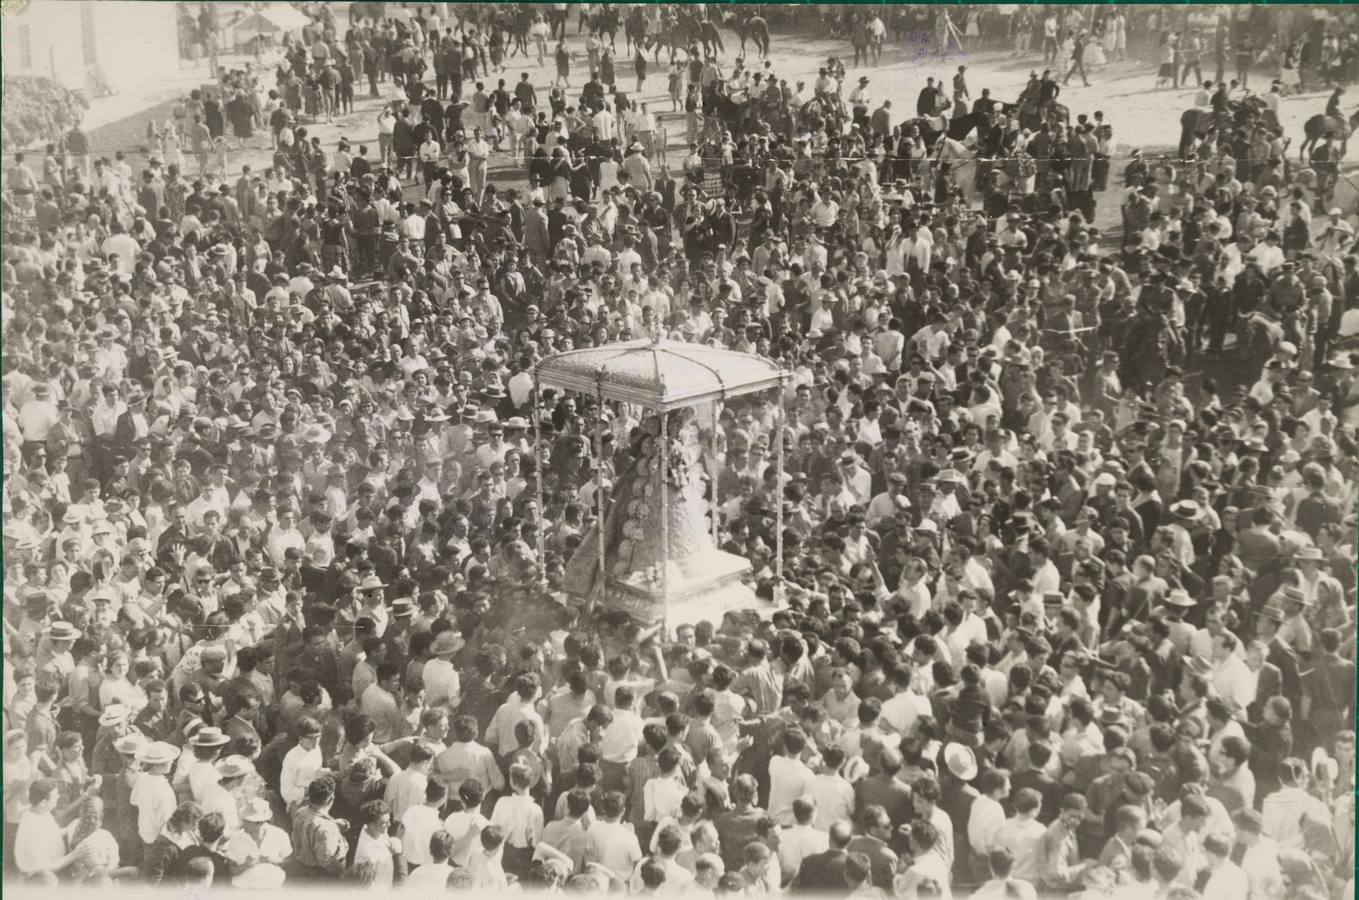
[1038, 102]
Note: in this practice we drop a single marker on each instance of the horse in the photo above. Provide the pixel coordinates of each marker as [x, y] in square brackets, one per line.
[710, 37]
[930, 128]
[957, 156]
[1030, 114]
[1151, 344]
[818, 111]
[1334, 127]
[1240, 115]
[751, 28]
[635, 29]
[959, 127]
[372, 10]
[1195, 123]
[604, 23]
[676, 31]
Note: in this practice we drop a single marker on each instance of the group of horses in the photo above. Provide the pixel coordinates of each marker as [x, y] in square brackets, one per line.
[1243, 116]
[677, 28]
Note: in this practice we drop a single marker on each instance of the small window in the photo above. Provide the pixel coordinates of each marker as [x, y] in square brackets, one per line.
[25, 48]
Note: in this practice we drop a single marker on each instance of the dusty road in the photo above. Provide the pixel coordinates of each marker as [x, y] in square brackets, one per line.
[1142, 116]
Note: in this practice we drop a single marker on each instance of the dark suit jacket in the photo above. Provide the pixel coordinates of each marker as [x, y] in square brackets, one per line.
[822, 873]
[887, 792]
[1282, 656]
[1047, 787]
[880, 856]
[125, 433]
[1256, 547]
[1270, 684]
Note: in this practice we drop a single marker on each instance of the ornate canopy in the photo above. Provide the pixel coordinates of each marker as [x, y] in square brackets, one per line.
[660, 375]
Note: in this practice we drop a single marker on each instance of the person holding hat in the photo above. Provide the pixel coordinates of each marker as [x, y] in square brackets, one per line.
[268, 843]
[302, 765]
[152, 795]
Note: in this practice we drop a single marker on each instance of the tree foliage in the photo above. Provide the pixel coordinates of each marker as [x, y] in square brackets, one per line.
[37, 109]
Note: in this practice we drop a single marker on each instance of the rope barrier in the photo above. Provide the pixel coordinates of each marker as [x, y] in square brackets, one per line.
[1166, 156]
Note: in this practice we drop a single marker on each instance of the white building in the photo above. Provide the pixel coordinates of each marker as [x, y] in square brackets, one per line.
[96, 46]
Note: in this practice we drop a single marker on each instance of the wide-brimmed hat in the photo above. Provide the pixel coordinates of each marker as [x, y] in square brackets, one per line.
[315, 434]
[257, 810]
[447, 643]
[1271, 613]
[1185, 509]
[157, 753]
[129, 744]
[210, 737]
[234, 767]
[371, 583]
[961, 761]
[1310, 552]
[114, 714]
[62, 631]
[1293, 594]
[1180, 597]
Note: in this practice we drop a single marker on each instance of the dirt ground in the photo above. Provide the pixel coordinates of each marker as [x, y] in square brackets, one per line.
[1142, 116]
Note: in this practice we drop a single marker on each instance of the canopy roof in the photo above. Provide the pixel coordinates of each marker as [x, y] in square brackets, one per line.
[658, 374]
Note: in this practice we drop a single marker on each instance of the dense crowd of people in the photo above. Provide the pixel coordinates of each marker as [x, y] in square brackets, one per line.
[1069, 519]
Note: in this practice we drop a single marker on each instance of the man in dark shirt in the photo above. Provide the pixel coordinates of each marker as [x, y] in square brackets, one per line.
[885, 790]
[877, 832]
[823, 873]
[1040, 754]
[526, 94]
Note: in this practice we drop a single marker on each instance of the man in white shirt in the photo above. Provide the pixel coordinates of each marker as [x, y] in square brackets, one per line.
[40, 844]
[986, 817]
[613, 844]
[618, 745]
[429, 153]
[478, 152]
[407, 788]
[1231, 676]
[302, 764]
[1226, 880]
[1022, 835]
[789, 778]
[906, 705]
[440, 678]
[800, 840]
[605, 125]
[1003, 885]
[825, 212]
[152, 794]
[466, 760]
[431, 875]
[420, 823]
[1268, 253]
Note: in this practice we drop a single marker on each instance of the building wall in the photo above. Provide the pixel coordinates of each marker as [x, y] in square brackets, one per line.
[131, 42]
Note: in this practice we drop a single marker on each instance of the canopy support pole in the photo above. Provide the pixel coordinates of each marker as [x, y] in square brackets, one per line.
[538, 480]
[778, 496]
[599, 494]
[664, 469]
[714, 472]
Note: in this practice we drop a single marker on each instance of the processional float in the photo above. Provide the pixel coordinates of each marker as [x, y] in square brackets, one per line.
[653, 552]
